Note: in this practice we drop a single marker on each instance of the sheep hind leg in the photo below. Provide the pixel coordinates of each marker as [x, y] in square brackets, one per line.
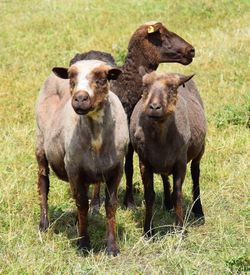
[43, 188]
[168, 202]
[195, 173]
[197, 206]
[178, 178]
[149, 196]
[111, 202]
[95, 200]
[129, 199]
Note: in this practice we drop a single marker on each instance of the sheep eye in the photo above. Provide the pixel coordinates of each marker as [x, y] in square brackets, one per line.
[101, 81]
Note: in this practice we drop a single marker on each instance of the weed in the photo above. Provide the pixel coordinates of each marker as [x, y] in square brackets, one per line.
[234, 115]
[239, 264]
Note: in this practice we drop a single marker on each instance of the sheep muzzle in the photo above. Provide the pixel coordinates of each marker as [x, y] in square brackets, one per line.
[81, 102]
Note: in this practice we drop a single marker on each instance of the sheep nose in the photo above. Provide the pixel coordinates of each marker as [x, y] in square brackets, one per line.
[190, 51]
[80, 98]
[155, 106]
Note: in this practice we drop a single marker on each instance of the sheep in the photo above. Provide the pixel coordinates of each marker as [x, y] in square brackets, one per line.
[167, 130]
[82, 134]
[151, 44]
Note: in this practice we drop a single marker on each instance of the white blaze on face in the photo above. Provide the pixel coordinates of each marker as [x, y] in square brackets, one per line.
[83, 84]
[84, 68]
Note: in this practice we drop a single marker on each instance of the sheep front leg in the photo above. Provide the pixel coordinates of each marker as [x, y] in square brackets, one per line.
[149, 196]
[43, 188]
[178, 177]
[80, 194]
[111, 205]
[129, 199]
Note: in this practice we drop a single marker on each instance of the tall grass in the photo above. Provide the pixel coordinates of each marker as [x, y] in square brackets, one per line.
[37, 35]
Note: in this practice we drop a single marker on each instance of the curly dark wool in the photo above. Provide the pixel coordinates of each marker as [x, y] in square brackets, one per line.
[106, 57]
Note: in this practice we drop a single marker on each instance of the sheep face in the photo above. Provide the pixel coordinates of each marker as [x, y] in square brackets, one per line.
[89, 84]
[160, 94]
[160, 45]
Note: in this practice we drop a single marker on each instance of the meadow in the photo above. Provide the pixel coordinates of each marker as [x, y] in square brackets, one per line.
[38, 35]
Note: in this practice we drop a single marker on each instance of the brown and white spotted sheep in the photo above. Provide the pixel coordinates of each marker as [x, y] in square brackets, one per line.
[151, 44]
[167, 130]
[82, 134]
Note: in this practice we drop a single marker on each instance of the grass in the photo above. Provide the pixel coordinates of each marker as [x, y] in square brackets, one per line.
[37, 35]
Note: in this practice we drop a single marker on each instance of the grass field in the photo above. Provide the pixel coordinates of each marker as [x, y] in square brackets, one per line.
[37, 35]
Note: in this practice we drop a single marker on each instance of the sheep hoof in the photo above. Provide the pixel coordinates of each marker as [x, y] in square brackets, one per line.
[148, 234]
[169, 206]
[113, 250]
[84, 244]
[129, 204]
[200, 218]
[181, 232]
[129, 201]
[44, 225]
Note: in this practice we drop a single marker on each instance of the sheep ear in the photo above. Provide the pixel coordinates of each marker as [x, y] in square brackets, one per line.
[113, 73]
[61, 72]
[183, 78]
[148, 78]
[154, 27]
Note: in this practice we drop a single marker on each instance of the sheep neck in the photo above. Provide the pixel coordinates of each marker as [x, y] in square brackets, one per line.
[128, 87]
[98, 122]
[158, 131]
[136, 59]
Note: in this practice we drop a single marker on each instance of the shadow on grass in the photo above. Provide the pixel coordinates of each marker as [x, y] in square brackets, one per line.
[163, 220]
[65, 222]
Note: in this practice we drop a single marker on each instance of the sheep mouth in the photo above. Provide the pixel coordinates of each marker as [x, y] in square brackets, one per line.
[155, 117]
[186, 60]
[80, 111]
[183, 60]
[178, 58]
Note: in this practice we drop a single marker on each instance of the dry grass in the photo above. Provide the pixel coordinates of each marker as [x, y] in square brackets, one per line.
[37, 35]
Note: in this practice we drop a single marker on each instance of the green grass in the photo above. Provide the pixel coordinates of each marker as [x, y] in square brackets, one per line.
[37, 35]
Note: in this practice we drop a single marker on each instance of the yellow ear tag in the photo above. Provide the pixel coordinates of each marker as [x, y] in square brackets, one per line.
[151, 29]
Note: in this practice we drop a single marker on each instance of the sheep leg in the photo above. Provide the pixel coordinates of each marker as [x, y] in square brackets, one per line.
[149, 196]
[129, 199]
[95, 201]
[43, 188]
[80, 194]
[167, 194]
[111, 202]
[178, 176]
[197, 207]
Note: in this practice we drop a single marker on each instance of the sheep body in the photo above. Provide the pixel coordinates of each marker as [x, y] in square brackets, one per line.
[59, 125]
[81, 149]
[166, 146]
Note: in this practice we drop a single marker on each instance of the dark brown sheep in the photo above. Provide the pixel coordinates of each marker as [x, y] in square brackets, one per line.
[82, 133]
[167, 130]
[150, 45]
